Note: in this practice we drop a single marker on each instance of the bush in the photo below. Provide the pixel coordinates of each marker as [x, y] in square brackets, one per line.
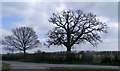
[65, 57]
[12, 56]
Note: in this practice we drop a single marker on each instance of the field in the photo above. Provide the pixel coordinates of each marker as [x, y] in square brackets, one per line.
[5, 67]
[79, 69]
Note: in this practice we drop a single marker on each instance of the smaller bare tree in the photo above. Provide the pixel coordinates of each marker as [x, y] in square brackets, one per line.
[23, 38]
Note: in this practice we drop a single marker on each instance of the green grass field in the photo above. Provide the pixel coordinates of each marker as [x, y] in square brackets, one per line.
[5, 67]
[79, 69]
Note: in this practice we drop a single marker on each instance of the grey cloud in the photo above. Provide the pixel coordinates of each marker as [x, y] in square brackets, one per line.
[107, 9]
[17, 5]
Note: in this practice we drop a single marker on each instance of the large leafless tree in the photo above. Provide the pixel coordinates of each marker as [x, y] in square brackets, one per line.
[23, 38]
[75, 27]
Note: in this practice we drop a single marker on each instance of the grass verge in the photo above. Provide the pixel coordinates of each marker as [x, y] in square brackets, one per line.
[5, 67]
[79, 69]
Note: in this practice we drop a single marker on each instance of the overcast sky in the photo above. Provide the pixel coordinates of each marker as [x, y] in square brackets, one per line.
[36, 15]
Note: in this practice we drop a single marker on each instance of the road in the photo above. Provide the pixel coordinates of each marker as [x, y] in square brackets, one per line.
[28, 65]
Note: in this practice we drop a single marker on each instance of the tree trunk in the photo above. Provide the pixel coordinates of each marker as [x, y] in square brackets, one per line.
[69, 49]
[24, 54]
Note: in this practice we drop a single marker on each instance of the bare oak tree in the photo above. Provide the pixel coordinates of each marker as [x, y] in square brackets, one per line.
[23, 38]
[75, 27]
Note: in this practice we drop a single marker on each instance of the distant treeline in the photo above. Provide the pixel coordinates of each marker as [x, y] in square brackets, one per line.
[83, 57]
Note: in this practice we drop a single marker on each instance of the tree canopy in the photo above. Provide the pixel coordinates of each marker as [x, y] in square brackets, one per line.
[75, 27]
[23, 38]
